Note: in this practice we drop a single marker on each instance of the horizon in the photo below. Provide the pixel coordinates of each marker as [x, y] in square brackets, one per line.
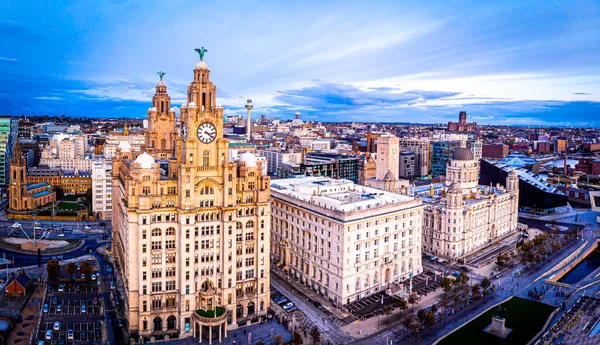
[531, 64]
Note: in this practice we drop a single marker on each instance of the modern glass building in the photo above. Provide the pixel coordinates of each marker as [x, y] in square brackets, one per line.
[441, 154]
[8, 138]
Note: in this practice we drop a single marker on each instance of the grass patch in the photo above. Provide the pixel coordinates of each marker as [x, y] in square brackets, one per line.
[525, 317]
[71, 197]
[69, 206]
[210, 313]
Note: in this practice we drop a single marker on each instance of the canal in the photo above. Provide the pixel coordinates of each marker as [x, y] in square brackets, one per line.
[583, 269]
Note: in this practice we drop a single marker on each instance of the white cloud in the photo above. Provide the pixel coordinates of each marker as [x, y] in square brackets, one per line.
[49, 98]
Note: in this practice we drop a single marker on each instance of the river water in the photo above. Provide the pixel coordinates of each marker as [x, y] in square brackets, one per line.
[583, 269]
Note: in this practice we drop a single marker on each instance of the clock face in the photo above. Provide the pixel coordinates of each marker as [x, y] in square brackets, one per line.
[184, 131]
[207, 132]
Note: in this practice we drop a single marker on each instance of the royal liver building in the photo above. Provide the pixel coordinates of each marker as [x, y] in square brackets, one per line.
[191, 229]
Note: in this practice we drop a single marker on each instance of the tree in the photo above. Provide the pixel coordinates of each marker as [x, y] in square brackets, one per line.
[315, 335]
[485, 283]
[401, 303]
[502, 259]
[278, 339]
[408, 321]
[413, 299]
[447, 284]
[430, 319]
[70, 269]
[297, 338]
[475, 289]
[387, 311]
[53, 270]
[421, 315]
[86, 269]
[464, 278]
[434, 308]
[60, 192]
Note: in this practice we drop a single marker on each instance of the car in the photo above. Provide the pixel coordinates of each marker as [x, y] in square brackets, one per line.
[49, 289]
[83, 276]
[432, 258]
[61, 342]
[83, 335]
[282, 301]
[54, 300]
[49, 334]
[120, 322]
[87, 227]
[112, 285]
[116, 300]
[70, 325]
[70, 334]
[61, 235]
[109, 269]
[513, 265]
[440, 260]
[98, 324]
[95, 300]
[289, 307]
[497, 275]
[77, 288]
[318, 304]
[83, 308]
[465, 269]
[41, 342]
[56, 326]
[84, 236]
[93, 276]
[61, 288]
[456, 274]
[59, 308]
[98, 333]
[45, 309]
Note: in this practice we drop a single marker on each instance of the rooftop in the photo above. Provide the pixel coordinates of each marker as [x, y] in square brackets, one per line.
[339, 195]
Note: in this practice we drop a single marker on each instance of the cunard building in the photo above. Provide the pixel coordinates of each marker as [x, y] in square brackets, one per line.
[191, 229]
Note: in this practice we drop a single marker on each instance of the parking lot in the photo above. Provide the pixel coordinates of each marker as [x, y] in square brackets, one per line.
[87, 332]
[370, 306]
[74, 306]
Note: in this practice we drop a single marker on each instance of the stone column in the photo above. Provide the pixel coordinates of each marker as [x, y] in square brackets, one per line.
[200, 337]
[210, 335]
[220, 333]
[225, 329]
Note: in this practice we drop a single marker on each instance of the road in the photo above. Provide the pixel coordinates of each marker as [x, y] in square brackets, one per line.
[328, 329]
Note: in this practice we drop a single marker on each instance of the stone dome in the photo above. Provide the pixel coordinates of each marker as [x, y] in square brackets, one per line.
[183, 106]
[124, 146]
[201, 65]
[247, 159]
[389, 176]
[192, 105]
[462, 154]
[153, 110]
[145, 161]
[455, 186]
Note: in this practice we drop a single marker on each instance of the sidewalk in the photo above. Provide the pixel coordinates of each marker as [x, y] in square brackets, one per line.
[31, 315]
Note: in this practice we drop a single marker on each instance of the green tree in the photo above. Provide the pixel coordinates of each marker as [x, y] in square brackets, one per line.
[401, 303]
[421, 315]
[475, 289]
[86, 269]
[53, 270]
[408, 321]
[297, 338]
[447, 284]
[278, 339]
[464, 278]
[430, 319]
[485, 283]
[60, 192]
[434, 308]
[70, 269]
[413, 299]
[315, 335]
[387, 311]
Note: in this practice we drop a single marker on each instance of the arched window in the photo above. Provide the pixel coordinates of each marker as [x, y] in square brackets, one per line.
[207, 190]
[146, 178]
[171, 231]
[250, 308]
[157, 324]
[238, 225]
[171, 322]
[230, 178]
[251, 174]
[239, 311]
[156, 232]
[249, 224]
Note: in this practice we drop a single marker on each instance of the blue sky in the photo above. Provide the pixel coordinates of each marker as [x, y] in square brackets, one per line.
[504, 62]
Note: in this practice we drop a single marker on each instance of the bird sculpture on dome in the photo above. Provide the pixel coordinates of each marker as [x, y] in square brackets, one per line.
[161, 74]
[201, 52]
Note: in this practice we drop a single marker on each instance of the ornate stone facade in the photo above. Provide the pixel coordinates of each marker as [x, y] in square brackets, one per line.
[191, 229]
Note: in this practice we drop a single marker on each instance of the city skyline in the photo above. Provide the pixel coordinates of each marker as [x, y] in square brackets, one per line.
[509, 64]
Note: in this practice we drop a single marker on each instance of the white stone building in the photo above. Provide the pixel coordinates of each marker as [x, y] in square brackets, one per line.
[465, 217]
[345, 241]
[102, 189]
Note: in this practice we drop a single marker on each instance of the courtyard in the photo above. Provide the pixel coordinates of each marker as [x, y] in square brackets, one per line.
[525, 317]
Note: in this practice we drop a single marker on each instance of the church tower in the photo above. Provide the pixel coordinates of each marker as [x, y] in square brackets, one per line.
[18, 178]
[161, 134]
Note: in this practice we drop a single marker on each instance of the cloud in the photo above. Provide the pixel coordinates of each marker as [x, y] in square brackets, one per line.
[2, 58]
[582, 93]
[482, 117]
[49, 98]
[11, 30]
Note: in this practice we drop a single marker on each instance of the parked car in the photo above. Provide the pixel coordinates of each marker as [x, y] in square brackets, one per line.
[61, 288]
[61, 235]
[116, 300]
[41, 342]
[49, 288]
[54, 300]
[56, 326]
[432, 258]
[45, 309]
[83, 308]
[87, 227]
[440, 260]
[77, 288]
[49, 334]
[289, 307]
[465, 269]
[59, 308]
[93, 276]
[83, 335]
[70, 325]
[70, 334]
[112, 285]
[456, 274]
[95, 301]
[318, 304]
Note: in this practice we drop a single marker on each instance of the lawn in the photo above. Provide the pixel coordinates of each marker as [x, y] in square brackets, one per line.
[71, 198]
[69, 206]
[210, 313]
[525, 317]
